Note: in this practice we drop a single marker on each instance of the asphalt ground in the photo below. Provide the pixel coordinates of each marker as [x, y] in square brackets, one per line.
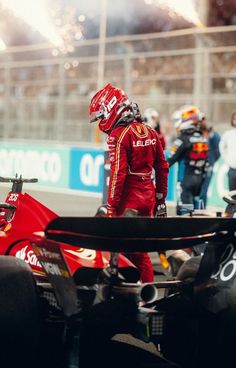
[63, 202]
[68, 202]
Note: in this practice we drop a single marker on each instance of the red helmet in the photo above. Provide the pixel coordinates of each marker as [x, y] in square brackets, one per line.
[107, 106]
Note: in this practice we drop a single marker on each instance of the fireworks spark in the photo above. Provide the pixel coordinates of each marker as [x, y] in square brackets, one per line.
[184, 8]
[36, 14]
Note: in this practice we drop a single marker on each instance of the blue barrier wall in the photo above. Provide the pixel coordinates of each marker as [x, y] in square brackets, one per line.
[86, 169]
[171, 184]
[48, 163]
[82, 169]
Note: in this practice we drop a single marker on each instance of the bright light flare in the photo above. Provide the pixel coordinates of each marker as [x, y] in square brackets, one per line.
[36, 14]
[184, 8]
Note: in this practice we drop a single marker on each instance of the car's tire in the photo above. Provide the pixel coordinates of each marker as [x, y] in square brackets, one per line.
[19, 309]
[188, 271]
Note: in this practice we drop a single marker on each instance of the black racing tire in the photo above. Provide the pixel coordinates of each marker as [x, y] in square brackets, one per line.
[188, 271]
[19, 310]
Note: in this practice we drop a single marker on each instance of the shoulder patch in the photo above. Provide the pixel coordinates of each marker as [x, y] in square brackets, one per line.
[140, 130]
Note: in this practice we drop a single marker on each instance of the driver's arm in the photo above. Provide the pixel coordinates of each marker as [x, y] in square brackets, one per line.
[178, 150]
[118, 162]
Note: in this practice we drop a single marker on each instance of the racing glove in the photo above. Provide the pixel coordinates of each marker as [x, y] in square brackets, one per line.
[161, 210]
[101, 211]
[111, 212]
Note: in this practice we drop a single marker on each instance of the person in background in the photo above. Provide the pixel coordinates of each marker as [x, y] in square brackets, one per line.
[191, 150]
[152, 118]
[134, 151]
[213, 155]
[228, 151]
[175, 118]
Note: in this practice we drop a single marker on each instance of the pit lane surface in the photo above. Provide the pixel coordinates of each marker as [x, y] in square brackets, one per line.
[65, 203]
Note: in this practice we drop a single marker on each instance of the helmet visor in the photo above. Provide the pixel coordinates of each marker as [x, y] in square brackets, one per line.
[96, 116]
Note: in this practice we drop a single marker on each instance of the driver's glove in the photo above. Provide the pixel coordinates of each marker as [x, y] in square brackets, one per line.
[111, 212]
[161, 210]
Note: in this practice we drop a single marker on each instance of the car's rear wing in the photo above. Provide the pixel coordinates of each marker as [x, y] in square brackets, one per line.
[123, 235]
[139, 233]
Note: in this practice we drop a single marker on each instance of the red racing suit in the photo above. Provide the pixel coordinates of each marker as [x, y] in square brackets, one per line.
[134, 151]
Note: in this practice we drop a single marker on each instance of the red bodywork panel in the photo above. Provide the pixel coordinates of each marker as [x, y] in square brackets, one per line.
[31, 216]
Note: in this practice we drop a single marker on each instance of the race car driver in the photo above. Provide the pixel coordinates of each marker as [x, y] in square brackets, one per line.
[134, 151]
[191, 149]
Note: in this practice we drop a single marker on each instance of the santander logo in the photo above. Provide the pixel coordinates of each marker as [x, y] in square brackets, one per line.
[28, 256]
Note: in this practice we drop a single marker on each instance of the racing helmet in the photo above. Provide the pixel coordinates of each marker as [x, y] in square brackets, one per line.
[107, 106]
[176, 118]
[190, 118]
[151, 118]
